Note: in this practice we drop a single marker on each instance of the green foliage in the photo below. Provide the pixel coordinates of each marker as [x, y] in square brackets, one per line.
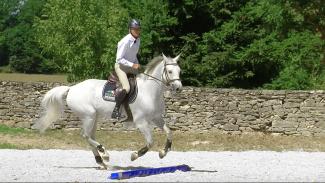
[190, 64]
[291, 77]
[6, 7]
[258, 45]
[301, 62]
[17, 42]
[312, 12]
[82, 35]
[274, 44]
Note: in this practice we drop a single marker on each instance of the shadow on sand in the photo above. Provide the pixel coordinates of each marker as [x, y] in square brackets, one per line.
[126, 168]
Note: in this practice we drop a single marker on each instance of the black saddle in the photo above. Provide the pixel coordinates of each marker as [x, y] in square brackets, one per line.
[113, 86]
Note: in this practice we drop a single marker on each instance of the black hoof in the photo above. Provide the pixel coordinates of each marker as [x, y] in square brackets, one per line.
[99, 159]
[100, 148]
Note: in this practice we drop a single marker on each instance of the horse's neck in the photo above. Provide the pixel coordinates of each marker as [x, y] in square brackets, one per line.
[157, 87]
[158, 71]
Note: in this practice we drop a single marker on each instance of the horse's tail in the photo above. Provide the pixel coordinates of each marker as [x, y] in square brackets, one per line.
[53, 106]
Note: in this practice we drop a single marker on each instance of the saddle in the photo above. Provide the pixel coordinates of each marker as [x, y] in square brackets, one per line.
[113, 86]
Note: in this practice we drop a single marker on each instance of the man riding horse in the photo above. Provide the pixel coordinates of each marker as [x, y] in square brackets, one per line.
[147, 109]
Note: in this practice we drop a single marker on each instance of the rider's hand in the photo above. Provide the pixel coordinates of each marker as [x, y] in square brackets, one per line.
[136, 66]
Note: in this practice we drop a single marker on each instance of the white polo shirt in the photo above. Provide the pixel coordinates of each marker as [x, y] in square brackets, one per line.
[127, 50]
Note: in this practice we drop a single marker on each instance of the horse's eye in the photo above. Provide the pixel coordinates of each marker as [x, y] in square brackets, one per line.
[169, 72]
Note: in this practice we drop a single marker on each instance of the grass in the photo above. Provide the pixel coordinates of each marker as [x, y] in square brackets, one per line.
[9, 130]
[33, 77]
[7, 146]
[5, 69]
[133, 140]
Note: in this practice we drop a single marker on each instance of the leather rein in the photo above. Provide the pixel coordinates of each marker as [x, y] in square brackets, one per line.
[166, 74]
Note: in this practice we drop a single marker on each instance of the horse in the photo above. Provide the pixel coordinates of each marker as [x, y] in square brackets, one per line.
[84, 99]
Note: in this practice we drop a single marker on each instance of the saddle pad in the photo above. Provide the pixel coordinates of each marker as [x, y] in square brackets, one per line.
[109, 91]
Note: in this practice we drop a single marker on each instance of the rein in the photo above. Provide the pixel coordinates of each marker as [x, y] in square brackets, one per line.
[166, 74]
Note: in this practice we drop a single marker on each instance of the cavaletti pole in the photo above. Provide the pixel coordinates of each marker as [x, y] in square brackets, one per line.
[148, 171]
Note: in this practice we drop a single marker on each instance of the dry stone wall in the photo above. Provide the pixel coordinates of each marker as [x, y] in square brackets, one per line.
[194, 109]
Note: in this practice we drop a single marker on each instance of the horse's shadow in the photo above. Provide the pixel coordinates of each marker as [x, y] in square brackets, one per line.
[110, 168]
[78, 167]
[126, 168]
[114, 168]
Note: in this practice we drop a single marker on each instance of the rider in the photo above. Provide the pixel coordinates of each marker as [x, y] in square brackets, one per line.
[126, 57]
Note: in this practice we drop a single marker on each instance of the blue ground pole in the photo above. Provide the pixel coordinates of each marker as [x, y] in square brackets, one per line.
[148, 171]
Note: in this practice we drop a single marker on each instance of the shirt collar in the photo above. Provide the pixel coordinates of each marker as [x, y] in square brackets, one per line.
[133, 39]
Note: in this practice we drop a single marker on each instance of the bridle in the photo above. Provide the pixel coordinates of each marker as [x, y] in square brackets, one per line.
[168, 80]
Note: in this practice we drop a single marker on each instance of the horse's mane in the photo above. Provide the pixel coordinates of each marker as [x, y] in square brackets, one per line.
[152, 64]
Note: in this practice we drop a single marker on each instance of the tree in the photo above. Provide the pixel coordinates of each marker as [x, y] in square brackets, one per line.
[82, 35]
[18, 37]
[6, 9]
[195, 18]
[253, 47]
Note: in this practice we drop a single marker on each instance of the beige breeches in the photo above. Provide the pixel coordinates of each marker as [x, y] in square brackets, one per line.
[122, 77]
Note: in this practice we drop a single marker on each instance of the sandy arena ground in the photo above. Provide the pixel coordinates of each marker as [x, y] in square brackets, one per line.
[79, 165]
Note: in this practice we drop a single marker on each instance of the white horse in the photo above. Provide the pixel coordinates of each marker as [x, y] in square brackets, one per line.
[85, 101]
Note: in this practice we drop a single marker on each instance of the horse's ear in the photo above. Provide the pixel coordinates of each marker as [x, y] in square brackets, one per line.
[165, 58]
[176, 58]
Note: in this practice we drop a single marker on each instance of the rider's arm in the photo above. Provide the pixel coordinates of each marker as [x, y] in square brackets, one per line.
[120, 55]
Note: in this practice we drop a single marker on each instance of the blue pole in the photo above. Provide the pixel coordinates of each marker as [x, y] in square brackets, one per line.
[148, 171]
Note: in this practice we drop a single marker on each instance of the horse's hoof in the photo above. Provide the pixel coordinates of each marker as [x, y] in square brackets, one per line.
[104, 154]
[162, 154]
[134, 156]
[102, 166]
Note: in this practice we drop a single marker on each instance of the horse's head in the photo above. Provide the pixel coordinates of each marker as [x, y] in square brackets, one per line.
[171, 74]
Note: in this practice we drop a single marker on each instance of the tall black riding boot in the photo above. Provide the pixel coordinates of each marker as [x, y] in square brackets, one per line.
[119, 100]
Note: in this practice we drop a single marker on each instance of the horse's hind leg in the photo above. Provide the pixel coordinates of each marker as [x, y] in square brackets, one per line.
[89, 129]
[168, 145]
[99, 151]
[146, 131]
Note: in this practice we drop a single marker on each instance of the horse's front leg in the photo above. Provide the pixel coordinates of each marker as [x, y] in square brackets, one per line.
[168, 145]
[146, 131]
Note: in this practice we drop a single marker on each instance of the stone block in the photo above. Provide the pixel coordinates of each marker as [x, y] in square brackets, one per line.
[250, 118]
[320, 124]
[246, 129]
[23, 125]
[176, 115]
[230, 127]
[289, 105]
[272, 103]
[309, 103]
[284, 124]
[184, 108]
[10, 123]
